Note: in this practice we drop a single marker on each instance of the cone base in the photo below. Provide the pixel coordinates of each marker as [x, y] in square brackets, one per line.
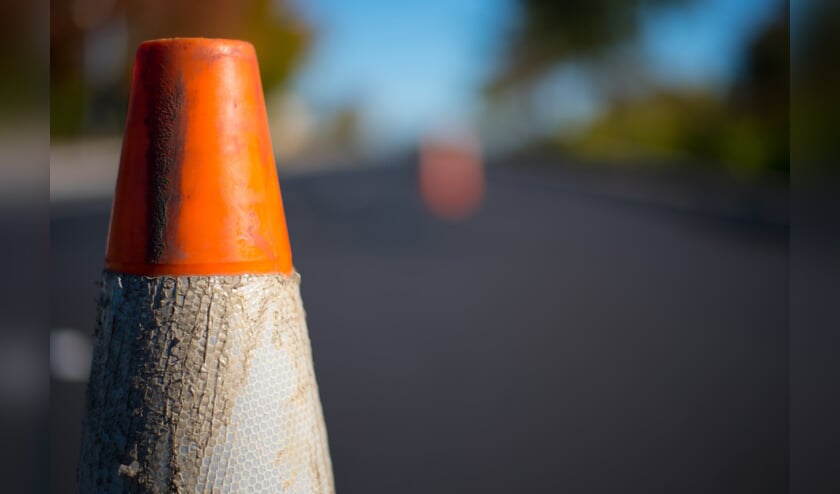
[203, 384]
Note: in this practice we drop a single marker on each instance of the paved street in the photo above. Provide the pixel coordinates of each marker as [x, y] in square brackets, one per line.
[558, 341]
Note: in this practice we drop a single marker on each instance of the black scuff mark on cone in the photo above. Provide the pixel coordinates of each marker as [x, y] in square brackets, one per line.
[166, 132]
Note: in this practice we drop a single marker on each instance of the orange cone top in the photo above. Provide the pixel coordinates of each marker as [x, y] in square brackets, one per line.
[197, 190]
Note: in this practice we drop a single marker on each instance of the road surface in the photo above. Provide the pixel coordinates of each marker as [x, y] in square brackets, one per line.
[557, 341]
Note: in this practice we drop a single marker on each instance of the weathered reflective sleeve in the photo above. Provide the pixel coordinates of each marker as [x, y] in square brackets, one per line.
[203, 384]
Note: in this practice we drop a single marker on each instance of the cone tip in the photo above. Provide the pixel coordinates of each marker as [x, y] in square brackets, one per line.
[208, 46]
[197, 190]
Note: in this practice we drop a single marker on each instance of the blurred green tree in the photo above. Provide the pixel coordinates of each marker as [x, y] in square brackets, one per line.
[279, 36]
[549, 32]
[744, 127]
[816, 77]
[23, 60]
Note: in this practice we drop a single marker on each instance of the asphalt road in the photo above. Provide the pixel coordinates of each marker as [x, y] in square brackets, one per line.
[557, 341]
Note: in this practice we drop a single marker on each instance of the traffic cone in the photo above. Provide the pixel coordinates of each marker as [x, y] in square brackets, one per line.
[202, 376]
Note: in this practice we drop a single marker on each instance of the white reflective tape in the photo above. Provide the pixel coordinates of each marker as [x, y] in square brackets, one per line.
[203, 384]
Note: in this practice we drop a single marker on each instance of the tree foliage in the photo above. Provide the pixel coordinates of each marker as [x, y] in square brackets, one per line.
[280, 38]
[549, 31]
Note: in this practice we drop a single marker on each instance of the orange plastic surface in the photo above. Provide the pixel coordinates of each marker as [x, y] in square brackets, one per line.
[197, 191]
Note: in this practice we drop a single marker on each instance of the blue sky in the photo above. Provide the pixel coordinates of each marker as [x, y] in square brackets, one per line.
[413, 66]
[699, 44]
[410, 65]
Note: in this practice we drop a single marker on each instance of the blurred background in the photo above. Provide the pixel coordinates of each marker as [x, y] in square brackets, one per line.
[24, 249]
[544, 245]
[659, 82]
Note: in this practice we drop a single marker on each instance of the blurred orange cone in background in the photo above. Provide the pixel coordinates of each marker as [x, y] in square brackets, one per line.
[202, 376]
[451, 176]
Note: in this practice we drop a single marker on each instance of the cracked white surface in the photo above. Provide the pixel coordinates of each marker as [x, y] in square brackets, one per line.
[203, 384]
